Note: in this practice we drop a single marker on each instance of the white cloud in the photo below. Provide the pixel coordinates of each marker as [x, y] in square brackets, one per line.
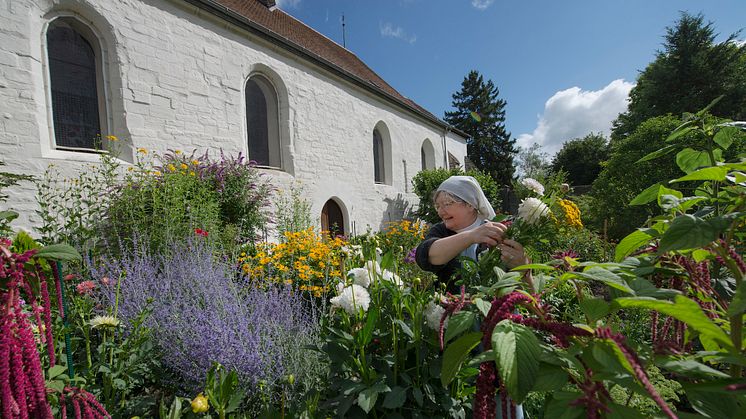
[388, 30]
[575, 113]
[481, 4]
[287, 4]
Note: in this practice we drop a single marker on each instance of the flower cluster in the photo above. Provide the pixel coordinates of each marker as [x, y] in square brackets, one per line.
[541, 216]
[200, 313]
[352, 299]
[305, 258]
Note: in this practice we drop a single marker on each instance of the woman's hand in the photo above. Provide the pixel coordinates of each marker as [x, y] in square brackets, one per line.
[513, 253]
[489, 233]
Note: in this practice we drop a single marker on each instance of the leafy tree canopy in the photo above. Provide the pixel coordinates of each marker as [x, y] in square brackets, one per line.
[481, 114]
[581, 158]
[532, 162]
[690, 72]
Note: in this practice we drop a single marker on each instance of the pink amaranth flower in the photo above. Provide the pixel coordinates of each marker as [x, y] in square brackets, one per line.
[85, 288]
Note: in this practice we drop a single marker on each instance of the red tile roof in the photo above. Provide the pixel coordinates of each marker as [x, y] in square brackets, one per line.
[293, 34]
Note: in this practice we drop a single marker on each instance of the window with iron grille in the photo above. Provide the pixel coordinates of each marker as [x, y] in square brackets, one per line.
[74, 77]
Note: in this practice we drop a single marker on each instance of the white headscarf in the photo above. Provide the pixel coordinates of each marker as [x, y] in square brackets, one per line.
[467, 188]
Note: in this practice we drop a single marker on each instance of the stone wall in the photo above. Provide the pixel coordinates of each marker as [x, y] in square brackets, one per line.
[174, 79]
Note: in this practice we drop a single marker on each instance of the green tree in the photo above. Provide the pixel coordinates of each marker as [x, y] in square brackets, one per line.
[690, 72]
[581, 158]
[481, 114]
[532, 162]
[623, 178]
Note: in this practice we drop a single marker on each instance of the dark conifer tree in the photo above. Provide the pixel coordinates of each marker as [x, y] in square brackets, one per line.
[481, 114]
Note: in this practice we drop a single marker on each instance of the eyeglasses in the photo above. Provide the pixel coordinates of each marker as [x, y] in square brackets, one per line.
[444, 205]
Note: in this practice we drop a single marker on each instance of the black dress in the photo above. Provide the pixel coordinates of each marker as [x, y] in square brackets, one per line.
[445, 273]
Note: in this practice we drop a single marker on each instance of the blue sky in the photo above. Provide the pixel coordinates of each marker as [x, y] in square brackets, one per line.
[565, 68]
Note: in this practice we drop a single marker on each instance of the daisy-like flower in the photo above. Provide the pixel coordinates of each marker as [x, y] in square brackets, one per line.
[531, 210]
[104, 321]
[85, 288]
[359, 277]
[433, 314]
[533, 185]
[352, 299]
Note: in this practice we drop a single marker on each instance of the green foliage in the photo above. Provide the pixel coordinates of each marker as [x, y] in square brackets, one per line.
[479, 113]
[223, 391]
[184, 196]
[292, 211]
[662, 299]
[72, 208]
[690, 72]
[8, 180]
[385, 361]
[427, 181]
[532, 162]
[581, 159]
[615, 188]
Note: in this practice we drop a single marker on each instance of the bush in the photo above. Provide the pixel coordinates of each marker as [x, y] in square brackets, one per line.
[187, 194]
[201, 314]
[427, 181]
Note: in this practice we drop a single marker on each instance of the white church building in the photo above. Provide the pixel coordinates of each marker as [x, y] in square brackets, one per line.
[237, 75]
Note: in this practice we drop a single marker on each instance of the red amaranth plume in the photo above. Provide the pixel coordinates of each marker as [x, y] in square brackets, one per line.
[452, 307]
[642, 377]
[85, 405]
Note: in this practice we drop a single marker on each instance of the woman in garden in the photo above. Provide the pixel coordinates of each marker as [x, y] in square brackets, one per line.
[466, 230]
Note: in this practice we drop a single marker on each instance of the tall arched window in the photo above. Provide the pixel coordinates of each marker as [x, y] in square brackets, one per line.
[378, 157]
[262, 124]
[427, 154]
[76, 85]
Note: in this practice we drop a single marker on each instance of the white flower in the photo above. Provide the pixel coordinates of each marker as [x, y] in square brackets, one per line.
[531, 210]
[104, 321]
[359, 276]
[433, 314]
[352, 299]
[533, 185]
[392, 277]
[353, 250]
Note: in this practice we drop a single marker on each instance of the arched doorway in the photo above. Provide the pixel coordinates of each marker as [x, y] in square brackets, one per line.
[332, 219]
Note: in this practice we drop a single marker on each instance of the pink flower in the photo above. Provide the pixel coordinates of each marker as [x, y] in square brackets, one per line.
[85, 288]
[106, 281]
[70, 277]
[200, 232]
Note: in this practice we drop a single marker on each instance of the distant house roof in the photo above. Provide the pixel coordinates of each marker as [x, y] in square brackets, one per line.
[262, 18]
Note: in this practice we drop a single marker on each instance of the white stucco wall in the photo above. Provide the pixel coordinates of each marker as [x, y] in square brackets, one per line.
[174, 79]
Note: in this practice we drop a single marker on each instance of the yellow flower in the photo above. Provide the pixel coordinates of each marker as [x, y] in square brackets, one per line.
[142, 150]
[171, 168]
[200, 404]
[572, 213]
[112, 138]
[192, 174]
[156, 173]
[184, 166]
[177, 152]
[129, 169]
[195, 162]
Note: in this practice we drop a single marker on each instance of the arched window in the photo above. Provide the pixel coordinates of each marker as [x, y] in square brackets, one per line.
[332, 219]
[379, 169]
[427, 154]
[76, 85]
[262, 122]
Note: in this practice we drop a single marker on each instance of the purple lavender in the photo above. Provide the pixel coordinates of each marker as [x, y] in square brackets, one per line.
[201, 313]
